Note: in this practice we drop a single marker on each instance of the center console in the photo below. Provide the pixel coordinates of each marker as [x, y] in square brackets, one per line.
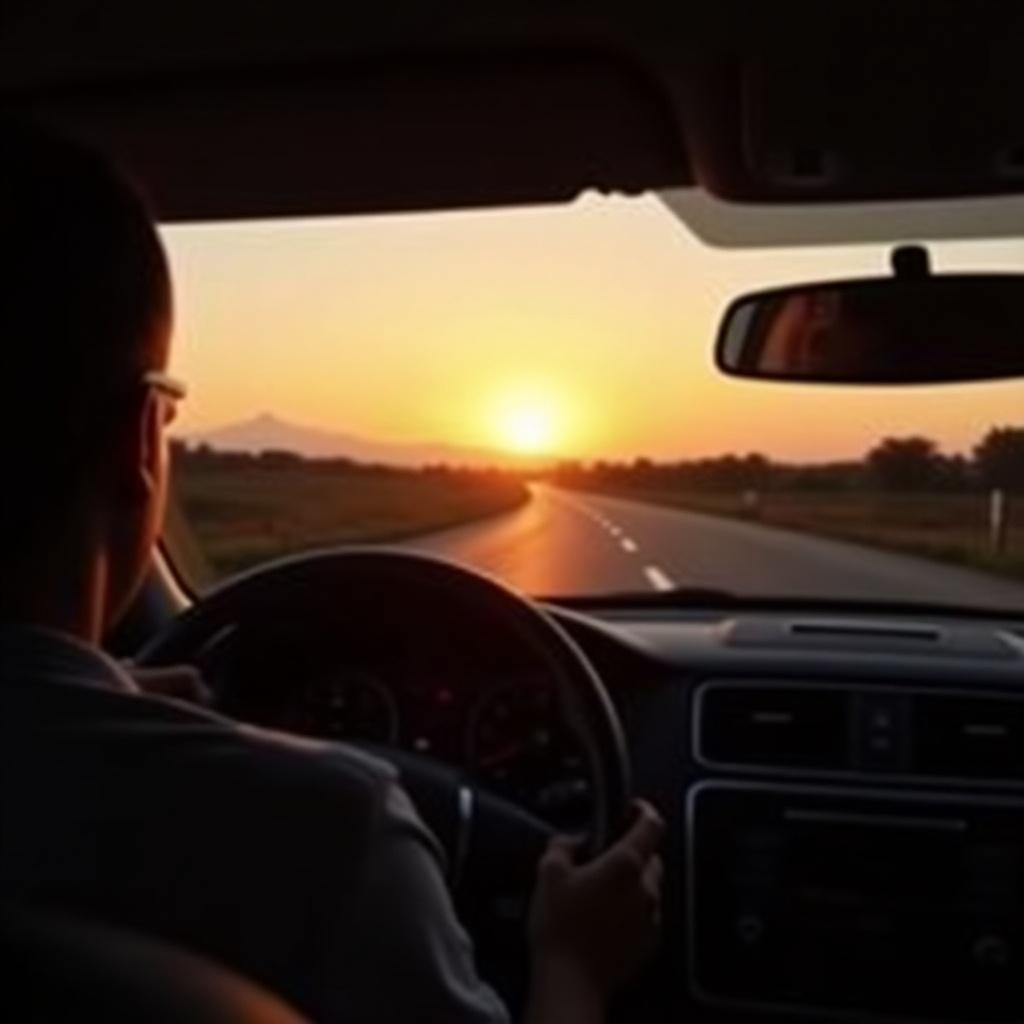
[821, 892]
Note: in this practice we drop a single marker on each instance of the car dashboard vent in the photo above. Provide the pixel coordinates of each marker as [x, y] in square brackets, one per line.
[969, 737]
[848, 729]
[784, 726]
[865, 631]
[869, 636]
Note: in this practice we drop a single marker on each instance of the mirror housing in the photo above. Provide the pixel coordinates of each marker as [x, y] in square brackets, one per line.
[912, 328]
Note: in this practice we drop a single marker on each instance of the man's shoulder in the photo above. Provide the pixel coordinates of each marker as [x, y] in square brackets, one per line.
[162, 743]
[281, 761]
[316, 762]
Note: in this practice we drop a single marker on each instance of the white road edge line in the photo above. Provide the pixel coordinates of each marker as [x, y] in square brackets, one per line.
[658, 579]
[628, 544]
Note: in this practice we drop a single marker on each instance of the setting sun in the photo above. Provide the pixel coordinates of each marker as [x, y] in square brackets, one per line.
[527, 429]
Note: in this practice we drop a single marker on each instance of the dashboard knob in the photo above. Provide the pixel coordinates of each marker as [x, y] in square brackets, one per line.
[991, 951]
[749, 929]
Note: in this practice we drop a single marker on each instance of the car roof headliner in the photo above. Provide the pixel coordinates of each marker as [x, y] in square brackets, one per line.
[244, 110]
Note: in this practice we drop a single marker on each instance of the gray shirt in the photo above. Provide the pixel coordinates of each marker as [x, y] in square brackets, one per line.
[301, 864]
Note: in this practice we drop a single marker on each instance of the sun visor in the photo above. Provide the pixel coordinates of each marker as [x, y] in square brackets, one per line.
[322, 140]
[752, 225]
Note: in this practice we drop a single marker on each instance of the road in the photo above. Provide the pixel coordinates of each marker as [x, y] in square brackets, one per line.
[564, 542]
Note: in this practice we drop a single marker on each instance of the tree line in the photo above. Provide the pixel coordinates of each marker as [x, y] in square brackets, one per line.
[204, 458]
[894, 464]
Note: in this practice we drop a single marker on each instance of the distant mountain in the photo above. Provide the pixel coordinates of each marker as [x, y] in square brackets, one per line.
[267, 432]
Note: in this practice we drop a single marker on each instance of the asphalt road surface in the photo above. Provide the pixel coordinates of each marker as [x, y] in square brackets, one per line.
[564, 542]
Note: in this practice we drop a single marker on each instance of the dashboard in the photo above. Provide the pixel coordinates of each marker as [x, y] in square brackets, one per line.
[844, 792]
[846, 802]
[479, 706]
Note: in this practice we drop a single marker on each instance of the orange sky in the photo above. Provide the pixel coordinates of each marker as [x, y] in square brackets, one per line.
[598, 316]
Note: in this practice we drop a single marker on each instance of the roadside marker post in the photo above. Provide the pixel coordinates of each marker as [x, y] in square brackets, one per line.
[997, 521]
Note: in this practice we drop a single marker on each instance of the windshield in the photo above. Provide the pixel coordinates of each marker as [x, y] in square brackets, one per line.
[532, 392]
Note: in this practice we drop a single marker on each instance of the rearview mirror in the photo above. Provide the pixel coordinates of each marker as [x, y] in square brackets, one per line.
[914, 328]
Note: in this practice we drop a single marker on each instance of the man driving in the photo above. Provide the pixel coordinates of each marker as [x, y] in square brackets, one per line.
[301, 864]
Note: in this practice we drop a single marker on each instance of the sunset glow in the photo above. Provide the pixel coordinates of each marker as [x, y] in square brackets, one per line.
[578, 330]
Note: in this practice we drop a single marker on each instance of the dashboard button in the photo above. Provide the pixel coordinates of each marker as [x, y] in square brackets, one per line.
[749, 929]
[882, 732]
[991, 951]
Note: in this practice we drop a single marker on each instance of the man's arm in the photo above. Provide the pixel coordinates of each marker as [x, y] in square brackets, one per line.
[591, 926]
[406, 955]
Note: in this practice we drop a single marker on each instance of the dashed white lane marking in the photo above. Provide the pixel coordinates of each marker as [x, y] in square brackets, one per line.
[657, 579]
[627, 543]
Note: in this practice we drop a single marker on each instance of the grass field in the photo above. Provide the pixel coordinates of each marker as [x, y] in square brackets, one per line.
[239, 517]
[946, 527]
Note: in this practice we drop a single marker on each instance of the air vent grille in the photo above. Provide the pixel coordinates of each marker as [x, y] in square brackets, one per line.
[848, 729]
[787, 726]
[969, 737]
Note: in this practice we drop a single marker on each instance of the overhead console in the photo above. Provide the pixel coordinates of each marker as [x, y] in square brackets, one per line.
[826, 125]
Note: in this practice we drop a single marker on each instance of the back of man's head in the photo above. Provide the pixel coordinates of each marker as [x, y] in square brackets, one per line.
[85, 308]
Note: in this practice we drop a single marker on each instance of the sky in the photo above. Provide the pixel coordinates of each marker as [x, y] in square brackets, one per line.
[582, 330]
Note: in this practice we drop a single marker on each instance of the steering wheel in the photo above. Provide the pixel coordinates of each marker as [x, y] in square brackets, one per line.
[477, 828]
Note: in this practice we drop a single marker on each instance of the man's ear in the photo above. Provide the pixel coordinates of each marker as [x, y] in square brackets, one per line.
[136, 452]
[150, 454]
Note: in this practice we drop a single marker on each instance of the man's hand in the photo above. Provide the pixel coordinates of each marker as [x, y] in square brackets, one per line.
[593, 925]
[179, 681]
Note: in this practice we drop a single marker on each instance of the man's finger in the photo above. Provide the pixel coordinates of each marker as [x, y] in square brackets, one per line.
[180, 681]
[645, 834]
[653, 874]
[571, 844]
[560, 853]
